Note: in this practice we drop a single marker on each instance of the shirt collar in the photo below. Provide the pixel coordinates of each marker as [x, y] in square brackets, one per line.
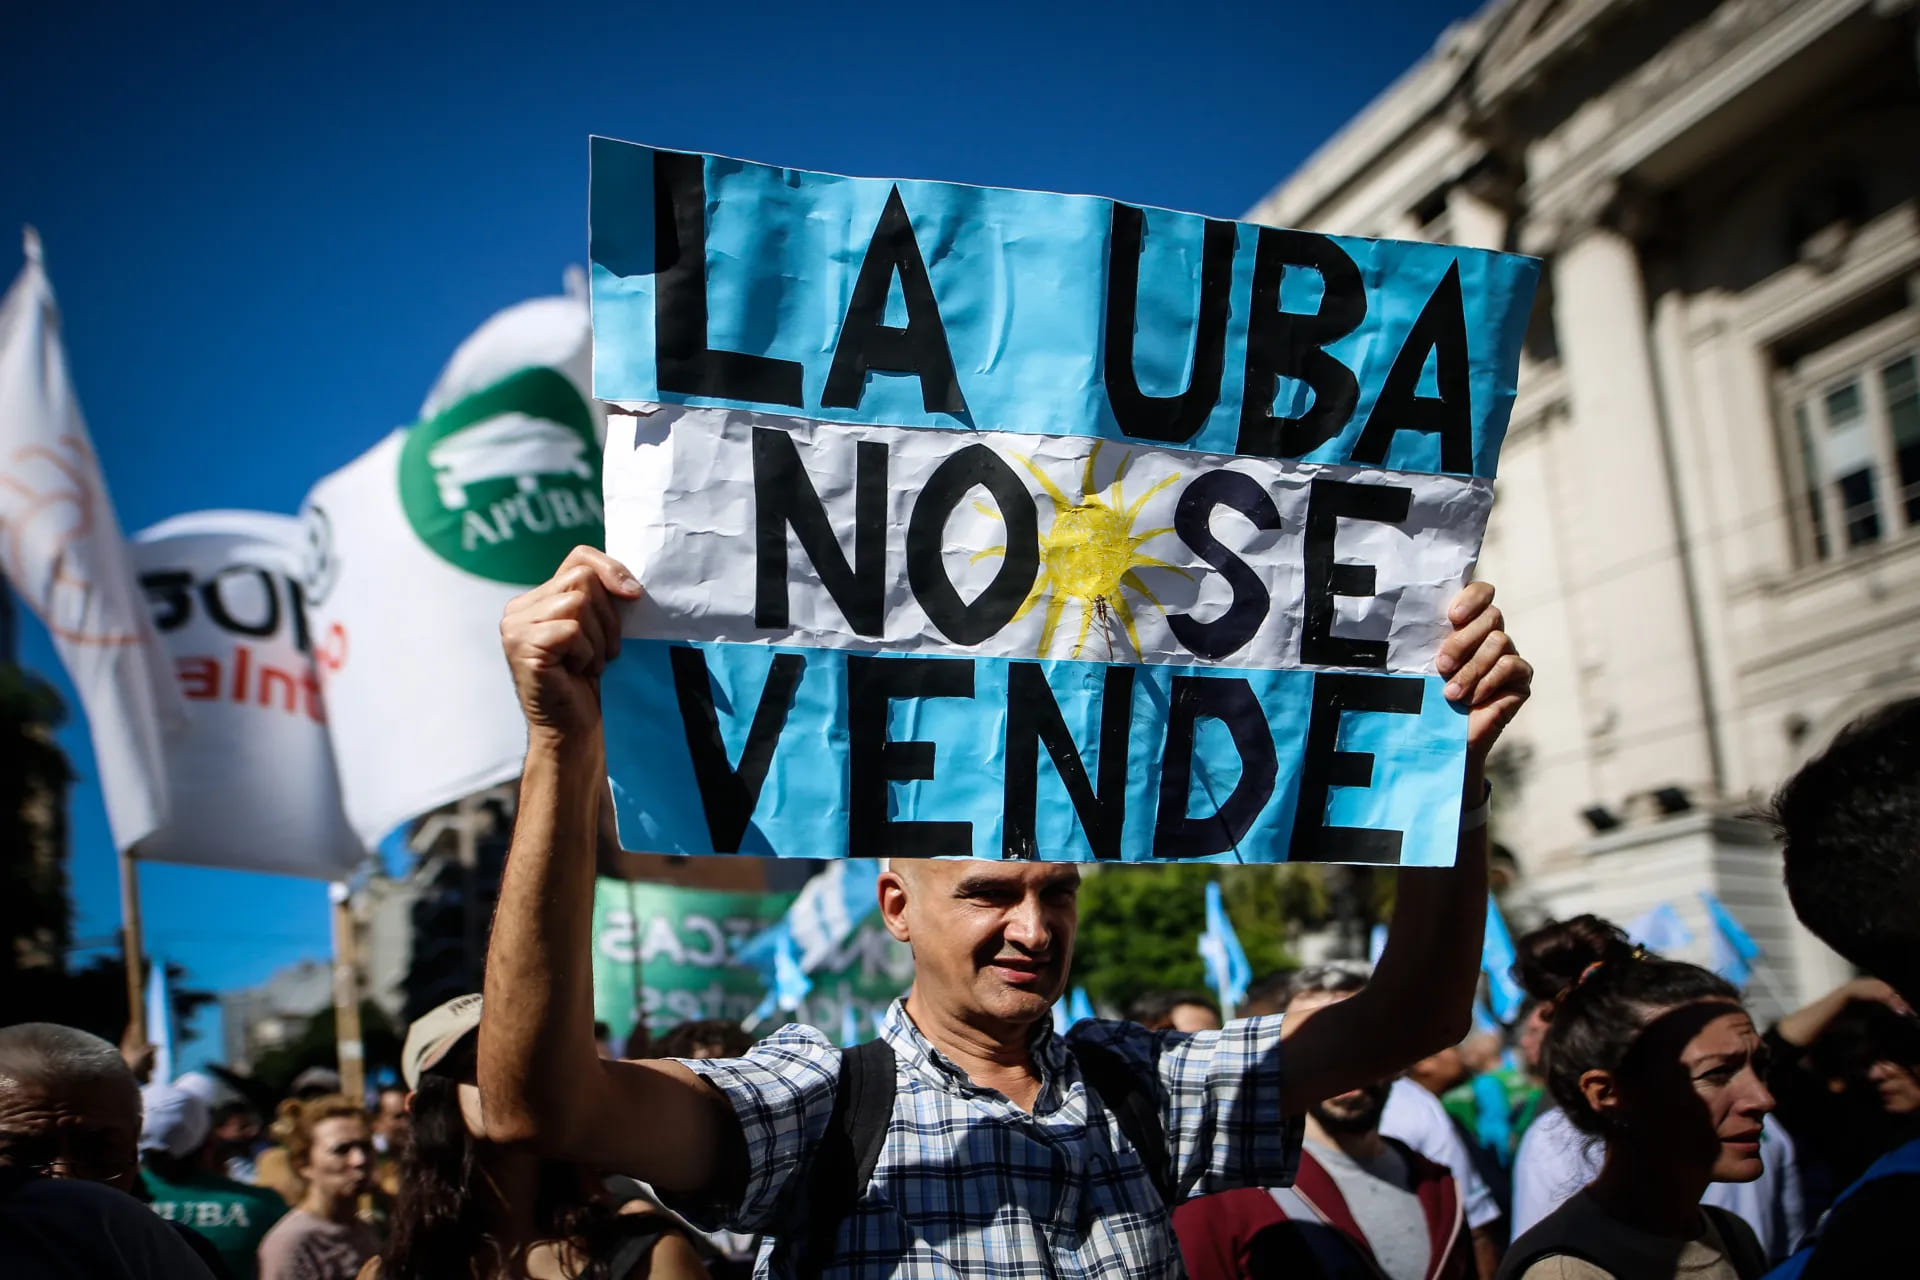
[912, 1048]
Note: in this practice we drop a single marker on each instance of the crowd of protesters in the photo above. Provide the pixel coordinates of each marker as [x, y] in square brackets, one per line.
[1635, 1121]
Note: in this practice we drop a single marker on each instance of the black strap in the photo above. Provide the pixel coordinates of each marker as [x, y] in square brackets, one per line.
[1121, 1090]
[1749, 1260]
[849, 1151]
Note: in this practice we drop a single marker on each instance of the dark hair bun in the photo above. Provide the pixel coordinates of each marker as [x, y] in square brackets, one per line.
[1552, 958]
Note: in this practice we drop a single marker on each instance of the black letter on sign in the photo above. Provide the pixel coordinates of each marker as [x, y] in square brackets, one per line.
[213, 598]
[1229, 632]
[1230, 700]
[1441, 329]
[1326, 766]
[874, 763]
[991, 610]
[1289, 344]
[1033, 717]
[783, 494]
[728, 795]
[682, 360]
[1328, 501]
[865, 343]
[1173, 419]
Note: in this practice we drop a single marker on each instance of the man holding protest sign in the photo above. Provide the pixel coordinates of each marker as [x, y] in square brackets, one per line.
[964, 545]
[995, 1150]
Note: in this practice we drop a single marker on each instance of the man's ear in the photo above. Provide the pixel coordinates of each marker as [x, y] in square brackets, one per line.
[894, 894]
[1602, 1092]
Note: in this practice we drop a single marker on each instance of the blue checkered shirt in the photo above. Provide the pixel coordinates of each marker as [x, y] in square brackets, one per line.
[969, 1185]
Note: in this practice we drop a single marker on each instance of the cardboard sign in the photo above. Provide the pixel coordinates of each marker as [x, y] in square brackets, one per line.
[995, 523]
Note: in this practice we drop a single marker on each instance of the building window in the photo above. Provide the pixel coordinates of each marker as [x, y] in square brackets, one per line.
[1855, 417]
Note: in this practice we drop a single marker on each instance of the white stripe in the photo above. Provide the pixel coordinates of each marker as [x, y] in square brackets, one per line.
[680, 513]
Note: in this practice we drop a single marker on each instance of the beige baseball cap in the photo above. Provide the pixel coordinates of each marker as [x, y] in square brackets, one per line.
[433, 1035]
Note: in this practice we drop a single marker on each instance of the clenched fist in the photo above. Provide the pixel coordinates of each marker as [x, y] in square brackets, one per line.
[560, 636]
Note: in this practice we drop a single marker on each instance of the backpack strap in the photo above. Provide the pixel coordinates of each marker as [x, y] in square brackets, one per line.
[1743, 1247]
[1121, 1091]
[849, 1151]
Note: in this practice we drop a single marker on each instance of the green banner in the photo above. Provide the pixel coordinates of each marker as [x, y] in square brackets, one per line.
[663, 952]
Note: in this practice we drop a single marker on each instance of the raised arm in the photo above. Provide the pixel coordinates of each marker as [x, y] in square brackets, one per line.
[1421, 997]
[542, 1083]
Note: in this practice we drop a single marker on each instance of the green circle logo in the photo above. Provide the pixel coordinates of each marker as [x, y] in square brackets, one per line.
[505, 481]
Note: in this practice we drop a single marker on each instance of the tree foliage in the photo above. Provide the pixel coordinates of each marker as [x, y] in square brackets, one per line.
[1140, 924]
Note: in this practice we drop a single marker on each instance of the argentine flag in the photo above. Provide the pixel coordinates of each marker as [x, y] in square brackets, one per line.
[1228, 972]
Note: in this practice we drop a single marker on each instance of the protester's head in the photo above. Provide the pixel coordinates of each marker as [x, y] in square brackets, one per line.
[328, 1144]
[703, 1038]
[1357, 1111]
[1268, 995]
[992, 941]
[235, 1124]
[1872, 1052]
[442, 1224]
[1850, 823]
[316, 1082]
[1179, 1009]
[1647, 1052]
[390, 1119]
[69, 1105]
[174, 1129]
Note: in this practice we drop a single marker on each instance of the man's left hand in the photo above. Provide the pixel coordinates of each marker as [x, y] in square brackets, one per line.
[1485, 673]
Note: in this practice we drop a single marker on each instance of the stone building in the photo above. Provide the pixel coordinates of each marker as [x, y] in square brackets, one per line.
[1708, 527]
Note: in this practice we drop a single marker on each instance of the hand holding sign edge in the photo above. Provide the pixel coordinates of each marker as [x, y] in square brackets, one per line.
[558, 638]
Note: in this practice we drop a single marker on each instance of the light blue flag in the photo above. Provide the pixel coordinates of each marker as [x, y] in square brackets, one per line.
[1496, 958]
[1061, 1018]
[849, 1024]
[160, 1021]
[1228, 972]
[830, 907]
[1660, 929]
[1734, 949]
[1079, 1008]
[1376, 943]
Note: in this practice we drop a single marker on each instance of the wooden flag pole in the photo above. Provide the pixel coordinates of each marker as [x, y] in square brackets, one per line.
[133, 947]
[346, 995]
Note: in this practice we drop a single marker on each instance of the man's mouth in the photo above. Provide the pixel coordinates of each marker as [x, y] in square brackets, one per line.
[1019, 971]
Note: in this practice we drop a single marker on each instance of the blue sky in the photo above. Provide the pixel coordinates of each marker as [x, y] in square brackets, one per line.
[269, 226]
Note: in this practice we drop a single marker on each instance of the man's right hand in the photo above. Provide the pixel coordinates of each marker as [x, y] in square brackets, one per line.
[560, 636]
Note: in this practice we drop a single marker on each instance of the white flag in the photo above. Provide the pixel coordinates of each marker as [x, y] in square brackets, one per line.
[60, 547]
[252, 778]
[416, 548]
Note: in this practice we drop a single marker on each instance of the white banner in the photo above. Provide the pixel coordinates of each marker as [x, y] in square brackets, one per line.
[1139, 553]
[415, 548]
[61, 548]
[252, 778]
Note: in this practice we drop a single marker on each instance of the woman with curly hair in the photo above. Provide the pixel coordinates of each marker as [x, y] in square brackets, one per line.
[1657, 1060]
[470, 1209]
[329, 1147]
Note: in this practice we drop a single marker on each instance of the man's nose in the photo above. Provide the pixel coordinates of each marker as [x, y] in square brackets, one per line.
[1027, 925]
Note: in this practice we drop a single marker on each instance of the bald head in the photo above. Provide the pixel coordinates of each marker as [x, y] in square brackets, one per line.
[43, 1052]
[992, 940]
[69, 1105]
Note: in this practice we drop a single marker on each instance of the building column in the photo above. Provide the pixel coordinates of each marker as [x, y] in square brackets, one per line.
[1627, 595]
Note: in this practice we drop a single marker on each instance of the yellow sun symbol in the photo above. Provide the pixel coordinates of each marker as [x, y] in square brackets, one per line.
[1089, 553]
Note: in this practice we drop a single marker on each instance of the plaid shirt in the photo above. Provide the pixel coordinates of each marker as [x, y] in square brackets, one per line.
[969, 1185]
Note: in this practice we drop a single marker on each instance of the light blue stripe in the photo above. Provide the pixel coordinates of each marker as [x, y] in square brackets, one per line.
[1020, 279]
[803, 805]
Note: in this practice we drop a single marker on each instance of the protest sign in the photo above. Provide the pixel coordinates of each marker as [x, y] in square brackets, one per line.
[416, 547]
[1005, 524]
[669, 952]
[251, 777]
